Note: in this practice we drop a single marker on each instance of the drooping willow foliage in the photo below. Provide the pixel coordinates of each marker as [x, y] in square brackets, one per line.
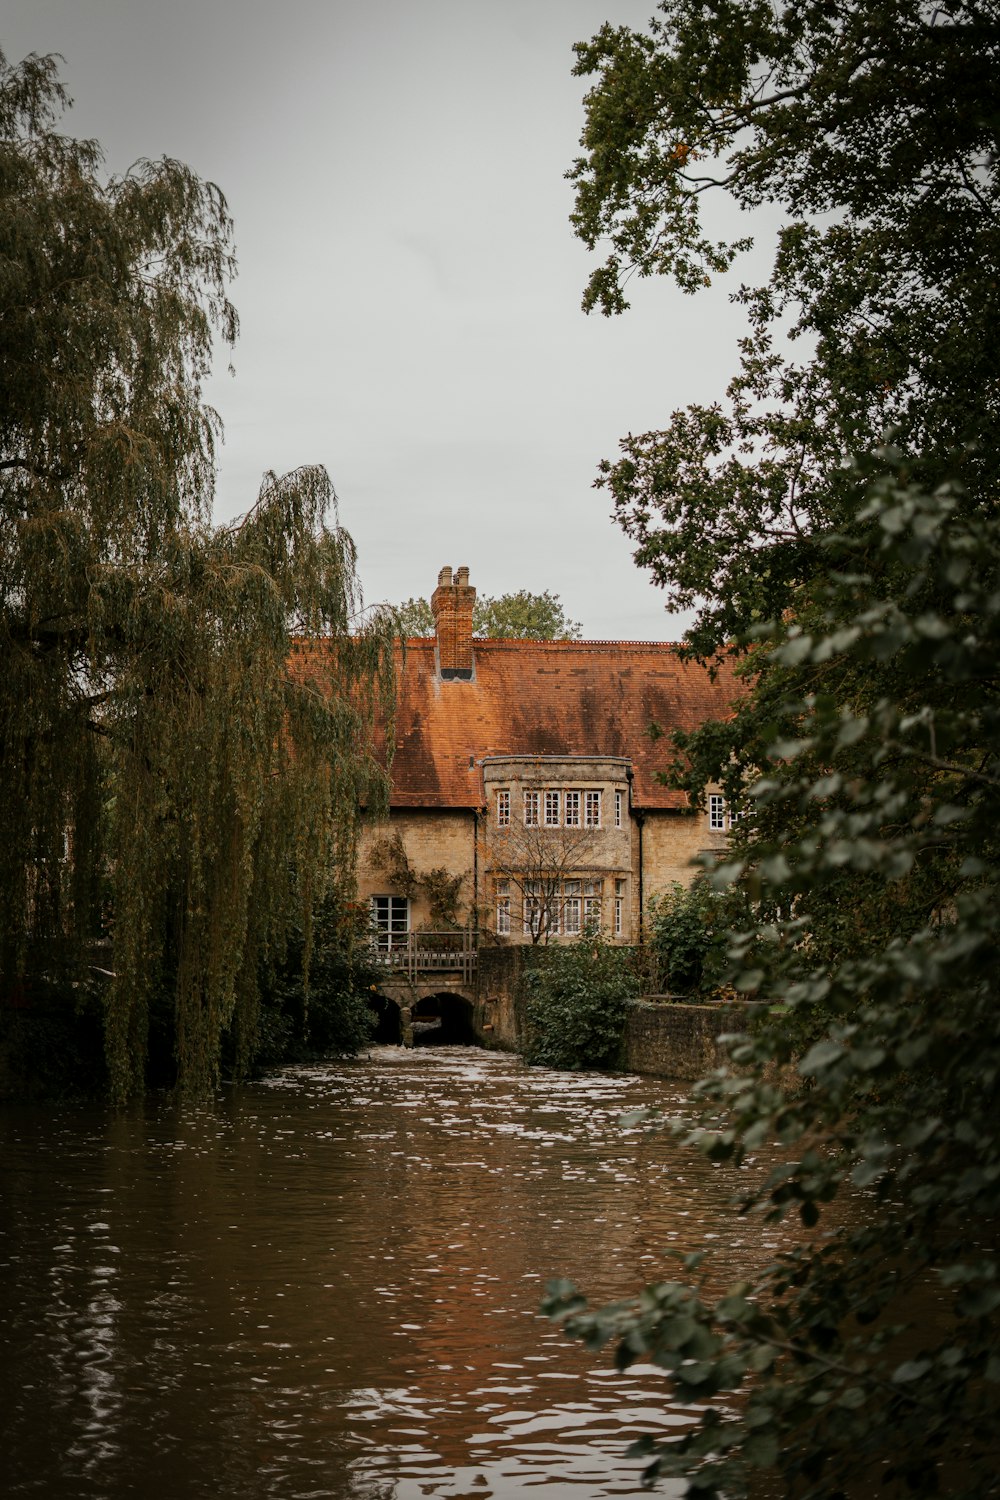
[177, 790]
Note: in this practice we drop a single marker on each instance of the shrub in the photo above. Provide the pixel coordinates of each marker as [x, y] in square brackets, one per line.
[330, 1017]
[689, 930]
[577, 1001]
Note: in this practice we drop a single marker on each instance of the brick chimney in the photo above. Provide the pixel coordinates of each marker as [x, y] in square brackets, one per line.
[451, 603]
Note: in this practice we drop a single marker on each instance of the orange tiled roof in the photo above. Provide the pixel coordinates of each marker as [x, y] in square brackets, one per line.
[546, 698]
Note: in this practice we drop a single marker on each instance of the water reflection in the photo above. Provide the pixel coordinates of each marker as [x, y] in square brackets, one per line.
[326, 1285]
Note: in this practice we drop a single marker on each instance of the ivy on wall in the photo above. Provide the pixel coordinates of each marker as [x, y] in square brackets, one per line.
[439, 885]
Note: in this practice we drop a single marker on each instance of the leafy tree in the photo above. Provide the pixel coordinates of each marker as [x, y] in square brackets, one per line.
[524, 617]
[866, 1355]
[577, 1003]
[868, 745]
[175, 796]
[872, 128]
[520, 616]
[414, 617]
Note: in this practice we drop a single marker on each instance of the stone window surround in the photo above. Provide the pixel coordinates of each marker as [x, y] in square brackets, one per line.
[558, 807]
[720, 814]
[573, 908]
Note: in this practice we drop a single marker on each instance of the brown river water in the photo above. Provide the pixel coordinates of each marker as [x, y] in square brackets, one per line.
[325, 1286]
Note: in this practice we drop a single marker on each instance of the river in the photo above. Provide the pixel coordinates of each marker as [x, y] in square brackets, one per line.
[325, 1285]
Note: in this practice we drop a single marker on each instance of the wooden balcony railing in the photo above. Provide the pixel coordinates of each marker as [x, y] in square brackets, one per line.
[432, 953]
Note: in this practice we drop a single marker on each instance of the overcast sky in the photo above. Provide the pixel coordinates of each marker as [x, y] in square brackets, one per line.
[409, 285]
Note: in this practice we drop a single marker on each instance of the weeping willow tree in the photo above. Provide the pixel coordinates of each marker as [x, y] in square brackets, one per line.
[182, 776]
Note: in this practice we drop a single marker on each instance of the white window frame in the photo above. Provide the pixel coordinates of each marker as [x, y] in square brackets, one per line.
[532, 808]
[592, 893]
[571, 808]
[592, 809]
[619, 908]
[571, 908]
[390, 922]
[503, 809]
[619, 807]
[503, 908]
[553, 803]
[532, 909]
[716, 812]
[551, 913]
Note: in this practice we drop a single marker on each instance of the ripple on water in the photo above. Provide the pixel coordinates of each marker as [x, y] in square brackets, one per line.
[327, 1284]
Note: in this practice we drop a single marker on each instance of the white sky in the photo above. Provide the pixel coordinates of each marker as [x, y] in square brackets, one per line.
[409, 285]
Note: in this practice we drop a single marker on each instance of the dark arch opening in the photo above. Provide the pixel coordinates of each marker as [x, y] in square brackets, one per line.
[388, 1022]
[443, 1020]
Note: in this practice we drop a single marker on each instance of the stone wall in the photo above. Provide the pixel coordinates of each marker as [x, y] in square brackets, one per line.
[499, 1012]
[433, 839]
[671, 845]
[665, 1038]
[674, 1040]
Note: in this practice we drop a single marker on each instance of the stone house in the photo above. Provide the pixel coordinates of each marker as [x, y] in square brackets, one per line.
[525, 800]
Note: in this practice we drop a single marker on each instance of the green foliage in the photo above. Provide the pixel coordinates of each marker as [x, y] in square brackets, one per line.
[524, 617]
[870, 127]
[521, 616]
[414, 617]
[164, 768]
[868, 747]
[441, 887]
[443, 890]
[322, 1011]
[577, 1001]
[688, 930]
[865, 1355]
[389, 855]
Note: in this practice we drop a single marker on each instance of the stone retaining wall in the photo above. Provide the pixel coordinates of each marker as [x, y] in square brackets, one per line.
[663, 1037]
[674, 1040]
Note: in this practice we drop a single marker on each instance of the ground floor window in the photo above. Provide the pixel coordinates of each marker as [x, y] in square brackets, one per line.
[592, 891]
[391, 921]
[571, 906]
[503, 908]
[551, 907]
[619, 908]
[533, 911]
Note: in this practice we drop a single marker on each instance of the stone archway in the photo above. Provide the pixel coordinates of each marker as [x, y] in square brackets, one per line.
[443, 1018]
[418, 1012]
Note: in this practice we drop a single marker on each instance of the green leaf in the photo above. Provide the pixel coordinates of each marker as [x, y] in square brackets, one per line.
[911, 1369]
[821, 1055]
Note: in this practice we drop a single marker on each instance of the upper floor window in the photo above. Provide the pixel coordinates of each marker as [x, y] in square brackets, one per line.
[716, 811]
[561, 807]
